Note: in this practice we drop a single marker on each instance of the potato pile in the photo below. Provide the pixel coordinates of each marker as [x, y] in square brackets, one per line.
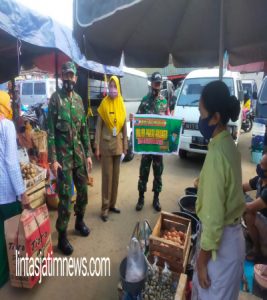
[28, 171]
[175, 236]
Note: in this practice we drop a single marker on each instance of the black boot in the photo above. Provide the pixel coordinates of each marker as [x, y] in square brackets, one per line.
[81, 227]
[156, 203]
[63, 243]
[140, 202]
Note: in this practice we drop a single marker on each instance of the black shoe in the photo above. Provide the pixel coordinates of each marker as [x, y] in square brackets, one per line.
[81, 227]
[156, 203]
[63, 244]
[115, 210]
[104, 218]
[140, 203]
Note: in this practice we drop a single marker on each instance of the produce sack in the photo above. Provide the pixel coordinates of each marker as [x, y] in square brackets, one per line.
[30, 234]
[136, 265]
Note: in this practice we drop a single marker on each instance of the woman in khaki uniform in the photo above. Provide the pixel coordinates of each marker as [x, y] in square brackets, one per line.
[110, 143]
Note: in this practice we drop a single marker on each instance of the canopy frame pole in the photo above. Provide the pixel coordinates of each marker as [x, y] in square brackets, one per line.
[56, 68]
[221, 41]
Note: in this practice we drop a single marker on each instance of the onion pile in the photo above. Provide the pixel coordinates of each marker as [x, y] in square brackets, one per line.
[174, 235]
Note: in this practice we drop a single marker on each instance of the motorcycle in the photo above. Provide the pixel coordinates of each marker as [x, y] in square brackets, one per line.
[247, 121]
[36, 115]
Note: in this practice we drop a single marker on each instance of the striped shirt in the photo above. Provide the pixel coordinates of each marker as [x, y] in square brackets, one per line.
[11, 182]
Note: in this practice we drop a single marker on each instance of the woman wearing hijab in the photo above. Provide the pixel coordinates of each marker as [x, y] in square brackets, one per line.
[11, 182]
[220, 202]
[110, 143]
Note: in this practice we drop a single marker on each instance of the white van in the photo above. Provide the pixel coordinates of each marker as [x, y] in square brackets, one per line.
[36, 91]
[187, 110]
[134, 86]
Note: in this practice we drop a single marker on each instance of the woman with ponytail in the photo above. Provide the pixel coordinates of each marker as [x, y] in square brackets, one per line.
[220, 204]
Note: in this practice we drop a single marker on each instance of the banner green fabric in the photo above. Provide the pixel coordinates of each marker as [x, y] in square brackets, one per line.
[155, 134]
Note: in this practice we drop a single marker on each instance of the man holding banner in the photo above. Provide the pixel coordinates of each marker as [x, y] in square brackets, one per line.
[153, 103]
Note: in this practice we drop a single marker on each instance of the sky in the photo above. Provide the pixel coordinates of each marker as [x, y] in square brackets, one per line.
[60, 10]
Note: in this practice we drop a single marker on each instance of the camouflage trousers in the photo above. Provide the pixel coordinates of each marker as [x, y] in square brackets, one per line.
[64, 188]
[157, 164]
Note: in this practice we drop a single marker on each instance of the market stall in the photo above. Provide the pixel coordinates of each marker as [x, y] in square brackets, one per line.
[157, 260]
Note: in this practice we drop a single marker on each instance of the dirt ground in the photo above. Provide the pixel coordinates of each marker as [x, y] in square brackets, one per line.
[110, 239]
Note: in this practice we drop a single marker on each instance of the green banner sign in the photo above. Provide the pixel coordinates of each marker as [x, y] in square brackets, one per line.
[155, 134]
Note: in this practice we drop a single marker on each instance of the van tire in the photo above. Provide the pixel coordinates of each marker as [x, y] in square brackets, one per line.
[182, 154]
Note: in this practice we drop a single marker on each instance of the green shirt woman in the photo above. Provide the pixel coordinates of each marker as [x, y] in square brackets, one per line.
[220, 202]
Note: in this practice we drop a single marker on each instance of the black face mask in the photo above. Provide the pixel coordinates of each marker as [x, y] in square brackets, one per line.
[155, 92]
[68, 85]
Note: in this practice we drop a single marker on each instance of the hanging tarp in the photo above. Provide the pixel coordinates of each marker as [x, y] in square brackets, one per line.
[36, 38]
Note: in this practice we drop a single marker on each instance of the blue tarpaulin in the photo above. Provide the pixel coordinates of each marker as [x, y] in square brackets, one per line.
[29, 39]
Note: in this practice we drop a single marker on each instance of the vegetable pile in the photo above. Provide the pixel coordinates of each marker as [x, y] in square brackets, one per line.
[159, 285]
[174, 235]
[28, 171]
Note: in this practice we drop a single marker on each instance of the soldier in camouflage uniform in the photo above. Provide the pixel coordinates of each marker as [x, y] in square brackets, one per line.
[69, 154]
[153, 103]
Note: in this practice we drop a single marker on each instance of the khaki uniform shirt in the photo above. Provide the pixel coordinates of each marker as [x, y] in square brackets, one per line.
[108, 144]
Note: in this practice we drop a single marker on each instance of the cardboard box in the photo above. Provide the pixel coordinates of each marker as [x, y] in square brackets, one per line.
[30, 234]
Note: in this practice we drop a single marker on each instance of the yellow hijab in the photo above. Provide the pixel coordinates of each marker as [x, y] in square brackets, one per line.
[113, 111]
[5, 109]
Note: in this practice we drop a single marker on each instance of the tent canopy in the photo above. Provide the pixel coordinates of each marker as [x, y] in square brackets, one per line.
[29, 39]
[195, 33]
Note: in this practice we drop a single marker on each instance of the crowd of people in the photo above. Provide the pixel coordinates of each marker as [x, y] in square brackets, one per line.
[221, 246]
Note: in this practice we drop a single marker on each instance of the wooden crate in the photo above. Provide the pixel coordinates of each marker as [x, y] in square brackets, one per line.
[36, 194]
[175, 255]
[181, 288]
[41, 176]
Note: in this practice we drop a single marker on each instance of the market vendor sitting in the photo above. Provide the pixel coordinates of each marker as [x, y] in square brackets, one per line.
[256, 210]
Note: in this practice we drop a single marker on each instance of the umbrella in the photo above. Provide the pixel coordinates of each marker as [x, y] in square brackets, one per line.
[196, 33]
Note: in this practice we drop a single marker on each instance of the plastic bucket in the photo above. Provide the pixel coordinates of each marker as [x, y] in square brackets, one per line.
[256, 157]
[187, 204]
[190, 191]
[133, 288]
[194, 221]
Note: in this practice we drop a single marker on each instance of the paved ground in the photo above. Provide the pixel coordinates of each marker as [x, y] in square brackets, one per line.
[110, 239]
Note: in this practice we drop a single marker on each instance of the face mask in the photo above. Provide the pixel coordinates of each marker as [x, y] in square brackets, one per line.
[205, 129]
[261, 172]
[68, 85]
[155, 92]
[113, 92]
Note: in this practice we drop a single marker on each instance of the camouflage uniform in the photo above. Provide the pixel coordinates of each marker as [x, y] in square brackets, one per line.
[68, 144]
[159, 106]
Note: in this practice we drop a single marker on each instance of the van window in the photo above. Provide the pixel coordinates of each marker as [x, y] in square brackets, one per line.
[97, 88]
[27, 88]
[247, 88]
[52, 88]
[263, 93]
[192, 89]
[39, 88]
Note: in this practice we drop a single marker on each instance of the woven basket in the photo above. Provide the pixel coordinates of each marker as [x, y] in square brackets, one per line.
[40, 140]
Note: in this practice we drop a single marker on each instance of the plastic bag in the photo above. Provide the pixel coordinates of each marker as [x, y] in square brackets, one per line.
[141, 232]
[166, 275]
[136, 266]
